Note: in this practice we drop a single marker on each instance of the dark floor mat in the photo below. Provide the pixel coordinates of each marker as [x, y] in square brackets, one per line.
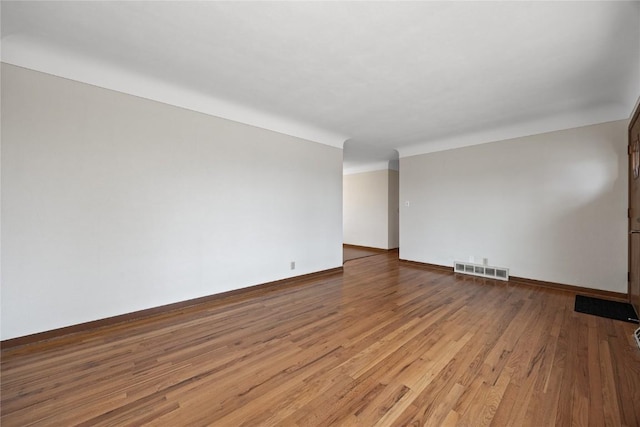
[604, 308]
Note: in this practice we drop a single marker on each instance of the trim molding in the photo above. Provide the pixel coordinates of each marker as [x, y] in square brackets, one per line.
[49, 59]
[163, 309]
[599, 293]
[633, 299]
[618, 296]
[269, 286]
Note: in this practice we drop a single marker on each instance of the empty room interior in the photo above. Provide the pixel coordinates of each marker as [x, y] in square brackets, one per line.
[320, 213]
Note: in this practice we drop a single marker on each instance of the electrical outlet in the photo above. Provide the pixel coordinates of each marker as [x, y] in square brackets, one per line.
[293, 265]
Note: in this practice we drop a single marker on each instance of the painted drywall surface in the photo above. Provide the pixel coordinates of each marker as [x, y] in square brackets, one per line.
[366, 211]
[549, 207]
[394, 212]
[113, 204]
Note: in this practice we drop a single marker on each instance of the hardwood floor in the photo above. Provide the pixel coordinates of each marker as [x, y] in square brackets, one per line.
[350, 252]
[382, 343]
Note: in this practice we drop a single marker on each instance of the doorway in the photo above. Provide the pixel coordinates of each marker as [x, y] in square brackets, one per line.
[370, 189]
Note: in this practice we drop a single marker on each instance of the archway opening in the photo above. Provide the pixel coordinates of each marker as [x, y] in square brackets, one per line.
[370, 199]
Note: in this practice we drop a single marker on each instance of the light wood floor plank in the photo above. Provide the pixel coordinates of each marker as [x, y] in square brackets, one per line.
[382, 343]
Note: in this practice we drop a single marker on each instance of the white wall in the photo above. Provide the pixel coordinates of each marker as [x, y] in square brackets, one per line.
[550, 207]
[112, 204]
[393, 208]
[367, 214]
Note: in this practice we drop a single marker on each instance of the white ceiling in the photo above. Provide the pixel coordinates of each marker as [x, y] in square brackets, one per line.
[414, 77]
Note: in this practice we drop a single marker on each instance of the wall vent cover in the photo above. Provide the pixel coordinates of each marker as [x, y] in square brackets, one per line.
[481, 270]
